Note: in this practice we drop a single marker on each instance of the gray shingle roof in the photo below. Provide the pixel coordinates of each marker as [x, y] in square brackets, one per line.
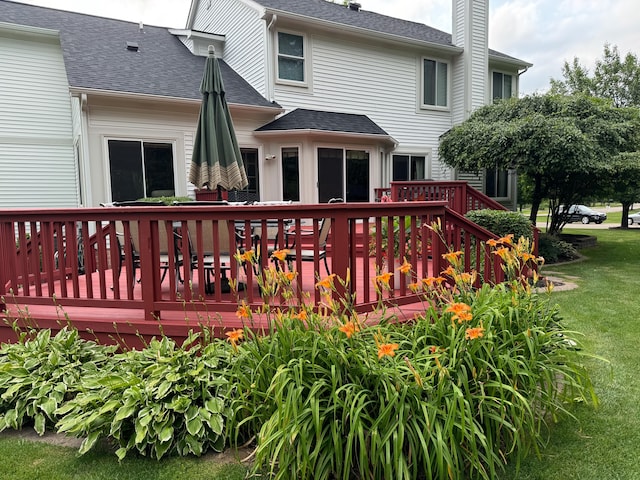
[96, 57]
[338, 13]
[303, 119]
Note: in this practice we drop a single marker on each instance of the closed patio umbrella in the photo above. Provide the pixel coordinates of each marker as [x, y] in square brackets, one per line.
[216, 161]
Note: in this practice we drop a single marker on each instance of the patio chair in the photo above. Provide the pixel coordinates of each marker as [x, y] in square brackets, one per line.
[226, 249]
[163, 243]
[309, 255]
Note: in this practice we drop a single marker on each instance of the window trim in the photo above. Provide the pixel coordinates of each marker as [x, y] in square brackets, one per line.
[305, 59]
[422, 80]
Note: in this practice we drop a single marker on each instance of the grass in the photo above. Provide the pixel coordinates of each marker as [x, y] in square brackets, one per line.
[601, 444]
[34, 460]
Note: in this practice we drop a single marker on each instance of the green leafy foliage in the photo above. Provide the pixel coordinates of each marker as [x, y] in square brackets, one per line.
[502, 222]
[560, 145]
[466, 386]
[613, 78]
[554, 250]
[40, 372]
[165, 399]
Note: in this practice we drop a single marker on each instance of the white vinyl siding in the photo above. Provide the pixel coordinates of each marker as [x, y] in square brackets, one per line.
[244, 49]
[379, 82]
[37, 163]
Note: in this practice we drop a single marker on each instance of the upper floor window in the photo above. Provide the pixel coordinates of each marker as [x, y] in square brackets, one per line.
[435, 83]
[291, 59]
[502, 85]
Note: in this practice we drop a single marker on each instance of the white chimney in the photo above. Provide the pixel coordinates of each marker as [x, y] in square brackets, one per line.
[471, 32]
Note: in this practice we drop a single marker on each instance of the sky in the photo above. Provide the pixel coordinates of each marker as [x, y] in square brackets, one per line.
[545, 33]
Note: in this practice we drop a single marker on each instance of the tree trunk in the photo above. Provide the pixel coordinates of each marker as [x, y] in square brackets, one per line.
[624, 222]
[536, 199]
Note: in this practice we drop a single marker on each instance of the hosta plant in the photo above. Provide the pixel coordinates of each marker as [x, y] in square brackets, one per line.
[40, 372]
[164, 399]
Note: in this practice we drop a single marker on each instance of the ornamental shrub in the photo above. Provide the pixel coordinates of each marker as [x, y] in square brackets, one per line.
[502, 222]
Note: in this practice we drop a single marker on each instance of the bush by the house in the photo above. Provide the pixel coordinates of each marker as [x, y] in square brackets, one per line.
[554, 250]
[502, 222]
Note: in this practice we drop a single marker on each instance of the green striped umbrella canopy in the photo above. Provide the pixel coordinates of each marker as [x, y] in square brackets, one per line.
[216, 160]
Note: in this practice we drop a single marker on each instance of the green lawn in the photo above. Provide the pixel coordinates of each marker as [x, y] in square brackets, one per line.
[600, 444]
[34, 460]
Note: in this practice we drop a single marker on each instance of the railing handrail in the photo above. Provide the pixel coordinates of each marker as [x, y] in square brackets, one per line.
[355, 227]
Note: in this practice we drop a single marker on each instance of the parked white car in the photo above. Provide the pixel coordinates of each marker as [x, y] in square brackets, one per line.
[634, 218]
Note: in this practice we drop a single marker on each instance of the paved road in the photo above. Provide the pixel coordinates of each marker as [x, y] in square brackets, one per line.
[542, 224]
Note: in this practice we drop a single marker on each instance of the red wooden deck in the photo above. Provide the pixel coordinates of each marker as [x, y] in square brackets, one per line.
[126, 325]
[42, 283]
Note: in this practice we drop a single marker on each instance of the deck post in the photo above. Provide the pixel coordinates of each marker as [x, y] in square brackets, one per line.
[7, 257]
[149, 267]
[340, 244]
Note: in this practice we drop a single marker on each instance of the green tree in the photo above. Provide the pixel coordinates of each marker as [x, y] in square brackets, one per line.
[560, 144]
[624, 174]
[614, 77]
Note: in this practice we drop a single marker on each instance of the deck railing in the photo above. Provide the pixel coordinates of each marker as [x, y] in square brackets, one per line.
[86, 257]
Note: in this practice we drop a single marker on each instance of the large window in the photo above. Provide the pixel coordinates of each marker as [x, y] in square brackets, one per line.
[290, 174]
[409, 167]
[140, 169]
[502, 85]
[290, 57]
[435, 83]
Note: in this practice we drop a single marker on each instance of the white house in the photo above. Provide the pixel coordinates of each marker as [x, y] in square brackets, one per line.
[327, 100]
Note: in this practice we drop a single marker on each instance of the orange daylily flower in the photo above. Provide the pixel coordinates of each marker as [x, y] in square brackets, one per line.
[234, 336]
[280, 254]
[387, 349]
[449, 271]
[461, 312]
[326, 282]
[247, 256]
[290, 276]
[473, 333]
[430, 281]
[244, 311]
[414, 287]
[349, 328]
[452, 257]
[507, 239]
[405, 267]
[492, 242]
[383, 279]
[467, 277]
[301, 315]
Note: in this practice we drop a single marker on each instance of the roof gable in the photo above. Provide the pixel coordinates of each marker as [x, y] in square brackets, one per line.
[96, 56]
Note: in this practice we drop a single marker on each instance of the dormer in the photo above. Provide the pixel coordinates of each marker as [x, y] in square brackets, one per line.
[198, 42]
